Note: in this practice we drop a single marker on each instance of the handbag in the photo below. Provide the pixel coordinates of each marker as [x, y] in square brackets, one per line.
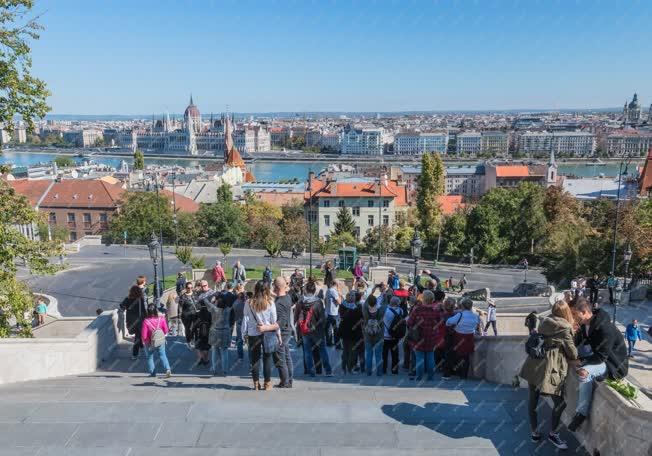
[270, 339]
[450, 334]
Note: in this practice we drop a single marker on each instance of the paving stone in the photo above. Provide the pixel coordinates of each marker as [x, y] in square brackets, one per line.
[15, 412]
[35, 435]
[123, 434]
[57, 451]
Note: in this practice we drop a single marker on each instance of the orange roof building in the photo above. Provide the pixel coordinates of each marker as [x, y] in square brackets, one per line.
[232, 157]
[645, 187]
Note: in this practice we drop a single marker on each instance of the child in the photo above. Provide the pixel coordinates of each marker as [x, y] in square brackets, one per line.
[41, 312]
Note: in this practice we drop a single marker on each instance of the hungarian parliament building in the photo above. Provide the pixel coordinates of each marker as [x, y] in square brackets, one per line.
[192, 135]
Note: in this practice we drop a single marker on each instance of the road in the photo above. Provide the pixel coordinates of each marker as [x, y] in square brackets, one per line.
[99, 276]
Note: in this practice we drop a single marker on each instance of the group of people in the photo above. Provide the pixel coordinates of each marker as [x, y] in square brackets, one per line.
[580, 337]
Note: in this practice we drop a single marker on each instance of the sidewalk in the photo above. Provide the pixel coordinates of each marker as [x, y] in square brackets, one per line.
[640, 366]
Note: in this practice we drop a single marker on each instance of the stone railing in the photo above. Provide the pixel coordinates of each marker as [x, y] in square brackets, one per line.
[616, 425]
[46, 357]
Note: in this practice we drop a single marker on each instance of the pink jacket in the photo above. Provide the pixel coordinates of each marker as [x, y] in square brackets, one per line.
[218, 274]
[149, 326]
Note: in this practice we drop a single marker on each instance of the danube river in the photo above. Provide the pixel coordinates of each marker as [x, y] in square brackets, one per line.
[267, 171]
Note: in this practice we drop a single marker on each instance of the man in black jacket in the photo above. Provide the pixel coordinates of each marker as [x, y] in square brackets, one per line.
[607, 356]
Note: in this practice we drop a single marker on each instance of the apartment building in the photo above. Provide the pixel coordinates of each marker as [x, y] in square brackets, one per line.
[494, 142]
[469, 143]
[412, 142]
[564, 143]
[362, 141]
[467, 181]
[629, 143]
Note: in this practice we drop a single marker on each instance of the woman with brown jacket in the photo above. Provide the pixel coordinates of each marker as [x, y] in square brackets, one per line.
[547, 375]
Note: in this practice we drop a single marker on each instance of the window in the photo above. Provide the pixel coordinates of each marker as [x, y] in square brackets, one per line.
[327, 203]
[87, 217]
[341, 203]
[71, 217]
[370, 203]
[370, 220]
[356, 232]
[103, 218]
[73, 236]
[385, 220]
[52, 218]
[88, 233]
[327, 220]
[385, 203]
[356, 211]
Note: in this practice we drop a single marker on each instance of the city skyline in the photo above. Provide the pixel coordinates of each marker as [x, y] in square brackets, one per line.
[126, 58]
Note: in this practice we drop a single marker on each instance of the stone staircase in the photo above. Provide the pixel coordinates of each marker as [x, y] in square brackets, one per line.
[119, 410]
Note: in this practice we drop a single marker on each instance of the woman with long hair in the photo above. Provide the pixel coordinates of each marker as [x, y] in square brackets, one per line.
[134, 306]
[547, 376]
[260, 327]
[153, 332]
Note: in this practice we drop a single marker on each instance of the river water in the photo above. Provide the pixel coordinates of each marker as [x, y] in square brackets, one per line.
[270, 171]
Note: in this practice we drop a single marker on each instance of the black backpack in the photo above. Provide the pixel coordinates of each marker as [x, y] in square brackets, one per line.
[398, 327]
[203, 329]
[534, 346]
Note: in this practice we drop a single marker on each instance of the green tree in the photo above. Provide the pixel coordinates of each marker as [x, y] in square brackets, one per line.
[16, 300]
[224, 193]
[431, 186]
[139, 160]
[184, 254]
[222, 222]
[188, 230]
[385, 242]
[140, 215]
[20, 93]
[453, 235]
[225, 248]
[336, 241]
[344, 222]
[64, 161]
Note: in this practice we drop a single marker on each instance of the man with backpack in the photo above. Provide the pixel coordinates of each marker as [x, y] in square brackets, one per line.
[202, 324]
[311, 324]
[333, 301]
[373, 331]
[395, 329]
[351, 323]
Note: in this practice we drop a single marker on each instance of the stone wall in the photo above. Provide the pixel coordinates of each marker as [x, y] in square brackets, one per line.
[40, 358]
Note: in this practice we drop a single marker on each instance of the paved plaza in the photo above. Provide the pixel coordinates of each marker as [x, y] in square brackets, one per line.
[119, 411]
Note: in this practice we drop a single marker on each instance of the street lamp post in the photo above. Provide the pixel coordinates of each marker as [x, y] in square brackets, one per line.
[416, 244]
[153, 247]
[617, 294]
[615, 238]
[160, 227]
[380, 215]
[310, 225]
[627, 256]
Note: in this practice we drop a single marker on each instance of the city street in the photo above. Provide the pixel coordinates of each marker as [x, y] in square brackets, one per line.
[99, 276]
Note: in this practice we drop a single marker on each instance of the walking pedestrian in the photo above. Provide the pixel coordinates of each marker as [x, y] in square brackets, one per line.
[632, 333]
[422, 322]
[351, 322]
[373, 332]
[311, 321]
[446, 310]
[172, 312]
[41, 311]
[153, 332]
[491, 316]
[238, 313]
[612, 284]
[357, 271]
[283, 303]
[180, 284]
[463, 327]
[135, 312]
[259, 323]
[219, 336]
[394, 328]
[463, 282]
[593, 284]
[329, 276]
[188, 307]
[239, 273]
[219, 277]
[333, 301]
[202, 324]
[547, 375]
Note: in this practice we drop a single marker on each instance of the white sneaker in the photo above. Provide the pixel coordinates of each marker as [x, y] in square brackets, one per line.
[168, 374]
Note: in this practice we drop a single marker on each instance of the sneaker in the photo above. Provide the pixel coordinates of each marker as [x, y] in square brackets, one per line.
[577, 421]
[329, 374]
[445, 377]
[535, 437]
[168, 374]
[557, 441]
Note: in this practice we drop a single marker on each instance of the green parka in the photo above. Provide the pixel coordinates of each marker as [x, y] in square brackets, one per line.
[549, 374]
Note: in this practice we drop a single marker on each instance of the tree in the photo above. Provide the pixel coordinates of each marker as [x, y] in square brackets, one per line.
[272, 246]
[336, 241]
[188, 230]
[139, 160]
[385, 242]
[295, 233]
[20, 93]
[16, 300]
[431, 186]
[344, 222]
[99, 142]
[64, 161]
[221, 222]
[224, 193]
[140, 215]
[183, 254]
[225, 248]
[453, 237]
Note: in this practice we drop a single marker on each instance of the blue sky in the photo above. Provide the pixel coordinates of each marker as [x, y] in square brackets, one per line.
[142, 56]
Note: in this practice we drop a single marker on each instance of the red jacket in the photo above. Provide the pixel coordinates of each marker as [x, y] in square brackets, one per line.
[440, 330]
[218, 274]
[426, 318]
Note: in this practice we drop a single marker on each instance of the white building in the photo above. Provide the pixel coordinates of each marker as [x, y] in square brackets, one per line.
[467, 181]
[20, 133]
[469, 142]
[564, 143]
[412, 142]
[494, 142]
[87, 137]
[629, 143]
[362, 141]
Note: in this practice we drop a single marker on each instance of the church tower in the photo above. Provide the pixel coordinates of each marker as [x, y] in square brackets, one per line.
[551, 178]
[191, 145]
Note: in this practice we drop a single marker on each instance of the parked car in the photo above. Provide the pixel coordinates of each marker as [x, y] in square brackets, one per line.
[531, 289]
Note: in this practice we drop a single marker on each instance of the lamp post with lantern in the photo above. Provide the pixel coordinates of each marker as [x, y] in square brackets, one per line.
[618, 293]
[416, 244]
[153, 247]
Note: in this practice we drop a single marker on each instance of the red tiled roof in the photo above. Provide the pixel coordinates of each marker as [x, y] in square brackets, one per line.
[336, 189]
[512, 171]
[33, 190]
[182, 203]
[83, 194]
[450, 203]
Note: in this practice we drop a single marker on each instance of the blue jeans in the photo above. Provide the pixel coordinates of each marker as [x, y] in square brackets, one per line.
[373, 352]
[425, 361]
[630, 346]
[239, 341]
[586, 387]
[309, 342]
[151, 368]
[223, 355]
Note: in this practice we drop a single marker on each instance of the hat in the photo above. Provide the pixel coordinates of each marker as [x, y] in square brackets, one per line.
[491, 301]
